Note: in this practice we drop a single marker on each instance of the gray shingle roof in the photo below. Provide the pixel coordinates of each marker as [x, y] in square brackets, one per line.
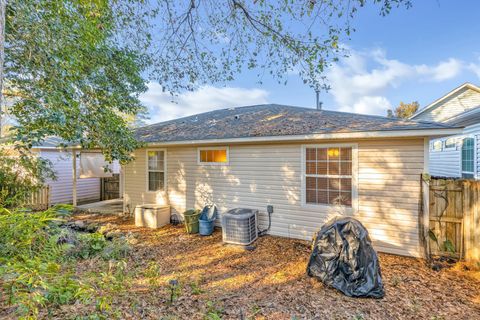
[271, 120]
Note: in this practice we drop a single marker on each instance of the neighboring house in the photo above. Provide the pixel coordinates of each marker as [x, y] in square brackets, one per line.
[88, 190]
[455, 156]
[309, 164]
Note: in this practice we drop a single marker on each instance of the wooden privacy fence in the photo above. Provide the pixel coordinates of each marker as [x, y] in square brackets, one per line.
[454, 218]
[110, 187]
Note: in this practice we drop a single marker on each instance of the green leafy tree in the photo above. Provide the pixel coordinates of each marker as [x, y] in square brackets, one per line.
[197, 42]
[404, 110]
[67, 75]
[75, 68]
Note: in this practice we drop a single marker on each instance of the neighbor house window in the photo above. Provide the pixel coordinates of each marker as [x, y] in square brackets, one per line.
[328, 176]
[468, 158]
[437, 145]
[213, 155]
[450, 143]
[156, 170]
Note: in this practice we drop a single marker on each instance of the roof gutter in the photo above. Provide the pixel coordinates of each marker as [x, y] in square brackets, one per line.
[321, 136]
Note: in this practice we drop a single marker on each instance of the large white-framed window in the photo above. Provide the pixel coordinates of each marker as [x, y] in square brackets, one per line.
[468, 157]
[213, 155]
[329, 175]
[156, 169]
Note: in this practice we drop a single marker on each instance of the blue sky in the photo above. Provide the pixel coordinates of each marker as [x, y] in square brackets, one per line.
[417, 54]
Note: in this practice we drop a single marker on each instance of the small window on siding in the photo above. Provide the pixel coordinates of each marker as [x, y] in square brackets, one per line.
[450, 143]
[214, 155]
[328, 176]
[437, 145]
[156, 170]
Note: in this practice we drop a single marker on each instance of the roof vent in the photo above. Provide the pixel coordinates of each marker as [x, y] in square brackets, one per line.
[319, 103]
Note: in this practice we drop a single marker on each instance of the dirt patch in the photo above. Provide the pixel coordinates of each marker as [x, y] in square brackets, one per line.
[268, 283]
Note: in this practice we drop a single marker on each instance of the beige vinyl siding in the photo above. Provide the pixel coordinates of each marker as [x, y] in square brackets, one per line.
[458, 103]
[258, 175]
[61, 189]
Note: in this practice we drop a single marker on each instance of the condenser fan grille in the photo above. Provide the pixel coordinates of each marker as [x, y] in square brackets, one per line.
[240, 226]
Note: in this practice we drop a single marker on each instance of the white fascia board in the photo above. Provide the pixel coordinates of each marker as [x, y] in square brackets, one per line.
[448, 95]
[321, 136]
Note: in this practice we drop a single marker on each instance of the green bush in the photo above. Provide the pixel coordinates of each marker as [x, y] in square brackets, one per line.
[89, 245]
[21, 173]
[116, 249]
[38, 256]
[32, 267]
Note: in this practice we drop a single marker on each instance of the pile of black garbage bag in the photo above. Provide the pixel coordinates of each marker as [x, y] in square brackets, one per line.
[343, 258]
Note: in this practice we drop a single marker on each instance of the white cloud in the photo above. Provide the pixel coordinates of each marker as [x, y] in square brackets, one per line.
[369, 105]
[443, 71]
[163, 106]
[359, 83]
[475, 68]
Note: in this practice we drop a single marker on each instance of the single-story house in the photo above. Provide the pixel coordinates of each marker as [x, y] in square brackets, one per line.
[309, 164]
[457, 155]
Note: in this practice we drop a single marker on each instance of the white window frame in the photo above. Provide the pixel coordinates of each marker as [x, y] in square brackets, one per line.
[433, 146]
[213, 163]
[350, 210]
[164, 170]
[445, 148]
[474, 172]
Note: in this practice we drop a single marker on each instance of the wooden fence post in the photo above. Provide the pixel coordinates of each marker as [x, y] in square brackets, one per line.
[471, 222]
[425, 216]
[467, 209]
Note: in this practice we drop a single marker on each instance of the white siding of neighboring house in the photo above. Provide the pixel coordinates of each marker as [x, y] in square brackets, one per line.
[257, 175]
[447, 163]
[458, 103]
[61, 189]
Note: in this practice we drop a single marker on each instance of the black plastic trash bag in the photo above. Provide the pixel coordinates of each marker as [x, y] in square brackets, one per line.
[343, 258]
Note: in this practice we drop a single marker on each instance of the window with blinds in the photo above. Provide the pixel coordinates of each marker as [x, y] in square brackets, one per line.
[156, 170]
[214, 155]
[328, 176]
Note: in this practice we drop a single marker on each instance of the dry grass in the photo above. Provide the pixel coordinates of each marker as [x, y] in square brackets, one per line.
[268, 283]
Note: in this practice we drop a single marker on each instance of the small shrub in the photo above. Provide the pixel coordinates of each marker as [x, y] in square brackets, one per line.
[214, 312]
[152, 272]
[65, 289]
[89, 245]
[196, 290]
[116, 249]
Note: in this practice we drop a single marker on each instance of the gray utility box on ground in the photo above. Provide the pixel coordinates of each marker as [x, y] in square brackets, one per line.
[239, 226]
[152, 215]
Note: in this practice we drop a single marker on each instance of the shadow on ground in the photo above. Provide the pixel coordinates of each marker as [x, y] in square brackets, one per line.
[270, 282]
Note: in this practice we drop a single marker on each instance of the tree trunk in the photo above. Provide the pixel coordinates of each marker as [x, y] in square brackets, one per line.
[3, 7]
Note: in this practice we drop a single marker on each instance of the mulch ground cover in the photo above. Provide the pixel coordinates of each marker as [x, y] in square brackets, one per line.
[220, 281]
